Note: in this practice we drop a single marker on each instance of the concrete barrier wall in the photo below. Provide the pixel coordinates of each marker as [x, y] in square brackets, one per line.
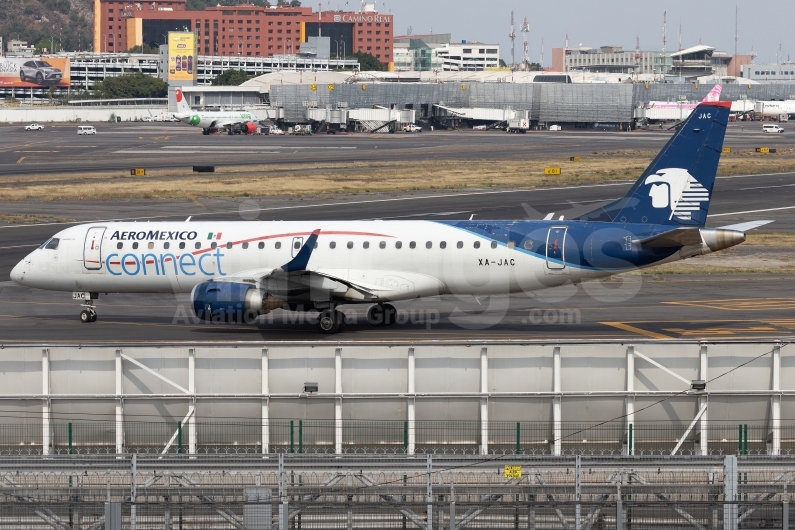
[72, 114]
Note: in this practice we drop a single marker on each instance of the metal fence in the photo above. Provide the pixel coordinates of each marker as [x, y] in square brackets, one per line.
[439, 437]
[380, 491]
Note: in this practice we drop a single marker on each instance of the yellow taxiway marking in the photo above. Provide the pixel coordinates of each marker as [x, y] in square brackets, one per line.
[720, 332]
[740, 304]
[633, 329]
[20, 159]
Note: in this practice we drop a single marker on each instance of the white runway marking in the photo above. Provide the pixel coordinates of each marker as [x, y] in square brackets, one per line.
[753, 211]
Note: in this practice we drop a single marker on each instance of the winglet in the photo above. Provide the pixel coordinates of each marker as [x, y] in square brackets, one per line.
[301, 260]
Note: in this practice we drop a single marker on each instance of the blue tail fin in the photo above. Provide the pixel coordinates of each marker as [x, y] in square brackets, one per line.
[676, 188]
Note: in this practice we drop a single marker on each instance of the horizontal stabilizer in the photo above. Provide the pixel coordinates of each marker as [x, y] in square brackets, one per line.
[674, 238]
[744, 227]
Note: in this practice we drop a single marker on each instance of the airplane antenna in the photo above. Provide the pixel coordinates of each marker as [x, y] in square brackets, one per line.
[665, 23]
[512, 36]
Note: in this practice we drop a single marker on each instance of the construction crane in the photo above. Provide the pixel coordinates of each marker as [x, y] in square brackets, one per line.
[512, 36]
[525, 33]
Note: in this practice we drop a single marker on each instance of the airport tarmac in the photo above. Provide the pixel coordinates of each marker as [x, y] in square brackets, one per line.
[58, 149]
[665, 306]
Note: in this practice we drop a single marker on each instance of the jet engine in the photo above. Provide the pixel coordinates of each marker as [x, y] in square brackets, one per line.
[249, 128]
[231, 302]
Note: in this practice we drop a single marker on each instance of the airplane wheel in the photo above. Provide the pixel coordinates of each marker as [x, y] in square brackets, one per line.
[329, 321]
[93, 317]
[390, 314]
[86, 316]
[375, 315]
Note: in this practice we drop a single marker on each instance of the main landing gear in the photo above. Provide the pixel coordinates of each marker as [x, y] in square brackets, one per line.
[89, 313]
[330, 321]
[381, 315]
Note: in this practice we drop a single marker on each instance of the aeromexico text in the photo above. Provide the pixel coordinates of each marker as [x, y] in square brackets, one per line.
[361, 18]
[154, 235]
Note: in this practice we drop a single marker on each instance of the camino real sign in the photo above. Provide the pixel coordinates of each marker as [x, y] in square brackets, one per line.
[359, 17]
[181, 56]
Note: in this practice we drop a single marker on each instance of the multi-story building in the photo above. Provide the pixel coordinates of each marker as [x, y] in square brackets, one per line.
[418, 52]
[469, 56]
[243, 30]
[770, 73]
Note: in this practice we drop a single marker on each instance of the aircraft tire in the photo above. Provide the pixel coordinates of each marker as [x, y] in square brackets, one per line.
[390, 314]
[86, 316]
[375, 315]
[329, 321]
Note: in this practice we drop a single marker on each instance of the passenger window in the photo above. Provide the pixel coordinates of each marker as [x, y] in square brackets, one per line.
[150, 246]
[443, 244]
[350, 244]
[278, 245]
[213, 245]
[460, 244]
[182, 245]
[166, 245]
[198, 245]
[228, 244]
[366, 244]
[333, 244]
[428, 244]
[297, 245]
[135, 245]
[119, 245]
[412, 245]
[261, 245]
[477, 244]
[493, 244]
[245, 245]
[382, 244]
[511, 244]
[528, 244]
[398, 244]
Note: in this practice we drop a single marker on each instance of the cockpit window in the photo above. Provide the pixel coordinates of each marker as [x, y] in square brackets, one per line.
[50, 244]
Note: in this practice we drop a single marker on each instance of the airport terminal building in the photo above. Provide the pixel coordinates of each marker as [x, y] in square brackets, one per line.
[243, 30]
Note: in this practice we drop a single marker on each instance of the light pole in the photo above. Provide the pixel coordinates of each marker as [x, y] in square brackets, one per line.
[338, 49]
[343, 49]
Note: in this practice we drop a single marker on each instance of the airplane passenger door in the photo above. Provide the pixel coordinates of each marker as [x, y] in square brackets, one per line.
[298, 242]
[556, 257]
[92, 250]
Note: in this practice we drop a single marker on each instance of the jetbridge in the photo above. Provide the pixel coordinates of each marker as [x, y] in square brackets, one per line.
[466, 397]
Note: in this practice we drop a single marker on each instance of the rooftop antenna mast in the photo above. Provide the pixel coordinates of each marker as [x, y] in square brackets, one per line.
[526, 44]
[680, 37]
[665, 23]
[542, 52]
[736, 31]
[512, 36]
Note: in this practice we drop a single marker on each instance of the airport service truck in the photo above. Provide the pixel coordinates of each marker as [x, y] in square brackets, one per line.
[518, 126]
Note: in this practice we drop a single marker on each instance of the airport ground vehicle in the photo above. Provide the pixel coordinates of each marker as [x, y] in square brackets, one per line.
[479, 127]
[236, 271]
[34, 127]
[772, 128]
[518, 126]
[412, 128]
[86, 129]
[555, 128]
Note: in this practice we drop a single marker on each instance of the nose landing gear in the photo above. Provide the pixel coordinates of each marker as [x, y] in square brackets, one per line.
[89, 313]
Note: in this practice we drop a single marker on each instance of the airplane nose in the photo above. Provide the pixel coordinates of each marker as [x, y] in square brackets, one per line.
[18, 272]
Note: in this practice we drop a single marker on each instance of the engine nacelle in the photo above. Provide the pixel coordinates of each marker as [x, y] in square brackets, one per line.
[249, 128]
[230, 302]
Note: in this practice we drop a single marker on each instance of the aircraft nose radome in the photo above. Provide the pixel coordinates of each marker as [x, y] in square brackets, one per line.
[18, 272]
